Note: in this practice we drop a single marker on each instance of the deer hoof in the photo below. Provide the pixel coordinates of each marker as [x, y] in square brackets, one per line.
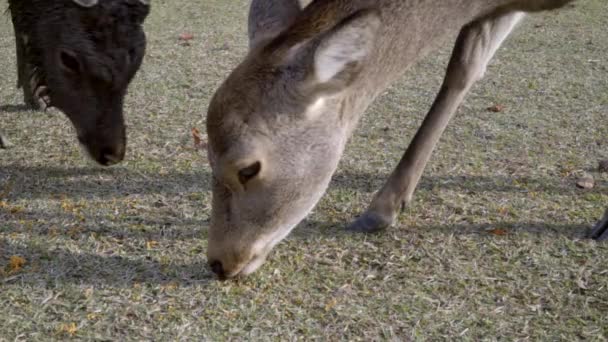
[43, 98]
[600, 231]
[369, 223]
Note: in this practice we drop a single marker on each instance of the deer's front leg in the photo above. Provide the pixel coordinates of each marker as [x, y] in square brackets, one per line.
[600, 231]
[475, 46]
[35, 94]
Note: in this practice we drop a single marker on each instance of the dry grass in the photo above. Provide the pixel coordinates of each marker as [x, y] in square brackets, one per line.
[491, 248]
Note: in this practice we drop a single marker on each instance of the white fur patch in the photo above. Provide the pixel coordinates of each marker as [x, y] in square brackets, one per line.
[314, 110]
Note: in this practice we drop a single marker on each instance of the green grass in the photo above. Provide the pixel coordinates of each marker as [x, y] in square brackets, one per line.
[119, 253]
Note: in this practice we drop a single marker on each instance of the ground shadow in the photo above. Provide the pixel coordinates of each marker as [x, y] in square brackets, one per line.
[14, 108]
[369, 182]
[52, 266]
[34, 182]
[48, 266]
[145, 226]
[309, 229]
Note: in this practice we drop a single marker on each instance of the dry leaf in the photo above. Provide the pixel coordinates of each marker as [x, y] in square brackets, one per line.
[15, 264]
[496, 108]
[498, 231]
[330, 304]
[199, 143]
[69, 329]
[151, 244]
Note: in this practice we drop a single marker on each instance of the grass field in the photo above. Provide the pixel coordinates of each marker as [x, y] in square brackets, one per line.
[493, 245]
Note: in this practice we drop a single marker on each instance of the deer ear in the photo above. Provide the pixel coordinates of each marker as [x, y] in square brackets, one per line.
[267, 18]
[341, 54]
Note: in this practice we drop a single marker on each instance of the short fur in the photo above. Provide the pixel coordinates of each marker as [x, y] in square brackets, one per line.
[81, 60]
[289, 108]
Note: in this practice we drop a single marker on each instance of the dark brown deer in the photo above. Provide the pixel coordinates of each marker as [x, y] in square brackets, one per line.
[278, 125]
[80, 56]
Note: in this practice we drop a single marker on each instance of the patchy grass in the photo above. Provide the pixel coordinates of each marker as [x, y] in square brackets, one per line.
[492, 246]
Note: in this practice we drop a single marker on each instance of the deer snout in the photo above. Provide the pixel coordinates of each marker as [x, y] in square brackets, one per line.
[106, 152]
[231, 260]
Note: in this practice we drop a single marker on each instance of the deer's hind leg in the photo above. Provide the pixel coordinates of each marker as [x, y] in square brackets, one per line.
[474, 48]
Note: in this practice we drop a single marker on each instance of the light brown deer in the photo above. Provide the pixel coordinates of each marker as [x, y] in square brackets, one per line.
[278, 125]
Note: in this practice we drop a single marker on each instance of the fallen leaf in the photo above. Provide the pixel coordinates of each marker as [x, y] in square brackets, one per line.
[585, 182]
[496, 108]
[199, 143]
[330, 304]
[15, 263]
[498, 231]
[151, 244]
[69, 329]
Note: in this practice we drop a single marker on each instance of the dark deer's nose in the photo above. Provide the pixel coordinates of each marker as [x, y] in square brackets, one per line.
[105, 151]
[217, 268]
[109, 156]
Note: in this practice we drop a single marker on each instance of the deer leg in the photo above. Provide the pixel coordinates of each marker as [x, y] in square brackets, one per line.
[475, 46]
[35, 95]
[24, 71]
[600, 231]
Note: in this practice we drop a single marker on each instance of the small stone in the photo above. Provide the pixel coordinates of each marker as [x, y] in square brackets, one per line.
[186, 36]
[603, 165]
[585, 182]
[4, 143]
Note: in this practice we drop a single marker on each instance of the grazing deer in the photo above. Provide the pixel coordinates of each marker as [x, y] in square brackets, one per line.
[80, 56]
[278, 125]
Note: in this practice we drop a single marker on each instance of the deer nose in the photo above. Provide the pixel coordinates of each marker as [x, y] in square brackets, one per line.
[110, 156]
[217, 268]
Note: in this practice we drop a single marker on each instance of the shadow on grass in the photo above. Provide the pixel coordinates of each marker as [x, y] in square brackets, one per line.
[14, 108]
[25, 182]
[368, 182]
[54, 266]
[309, 229]
[148, 225]
[51, 267]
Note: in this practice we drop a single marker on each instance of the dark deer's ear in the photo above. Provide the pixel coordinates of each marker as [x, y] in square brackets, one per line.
[340, 54]
[267, 18]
